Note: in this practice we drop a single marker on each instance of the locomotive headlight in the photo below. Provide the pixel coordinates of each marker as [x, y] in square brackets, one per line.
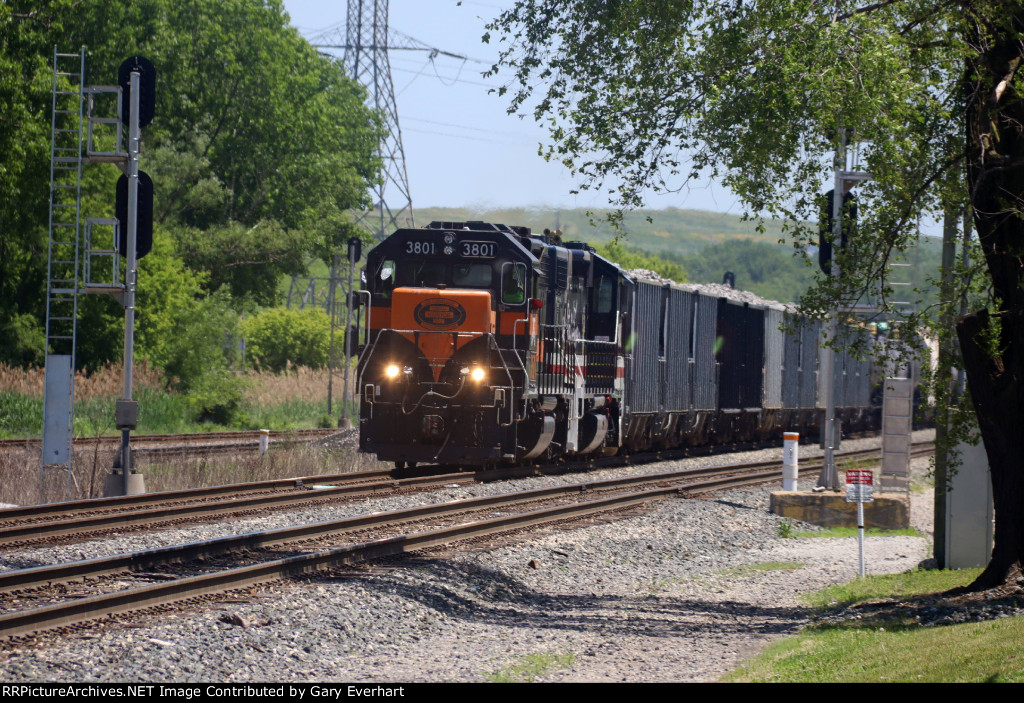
[392, 371]
[477, 373]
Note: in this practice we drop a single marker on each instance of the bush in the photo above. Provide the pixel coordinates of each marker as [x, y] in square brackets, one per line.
[204, 344]
[200, 356]
[278, 337]
[217, 397]
[23, 341]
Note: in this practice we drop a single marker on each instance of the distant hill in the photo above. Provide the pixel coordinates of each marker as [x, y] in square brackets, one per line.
[670, 230]
[760, 264]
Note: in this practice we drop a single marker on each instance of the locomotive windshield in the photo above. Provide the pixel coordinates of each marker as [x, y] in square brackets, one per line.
[422, 274]
[428, 274]
[472, 275]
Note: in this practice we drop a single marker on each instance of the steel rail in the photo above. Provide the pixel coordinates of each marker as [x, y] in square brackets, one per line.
[20, 623]
[95, 607]
[143, 499]
[29, 532]
[186, 437]
[75, 571]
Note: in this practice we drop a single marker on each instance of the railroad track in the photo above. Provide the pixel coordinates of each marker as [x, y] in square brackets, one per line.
[89, 519]
[40, 599]
[75, 521]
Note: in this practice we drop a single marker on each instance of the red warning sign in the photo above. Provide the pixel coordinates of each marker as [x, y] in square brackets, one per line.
[860, 477]
[860, 486]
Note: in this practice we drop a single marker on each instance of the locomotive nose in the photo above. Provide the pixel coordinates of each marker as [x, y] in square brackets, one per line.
[433, 310]
[440, 322]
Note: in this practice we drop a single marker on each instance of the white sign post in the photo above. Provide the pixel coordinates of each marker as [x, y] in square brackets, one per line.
[790, 461]
[860, 490]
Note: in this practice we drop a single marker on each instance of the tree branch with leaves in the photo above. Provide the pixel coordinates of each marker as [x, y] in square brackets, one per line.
[644, 96]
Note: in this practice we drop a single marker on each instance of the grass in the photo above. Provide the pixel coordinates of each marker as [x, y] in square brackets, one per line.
[786, 530]
[528, 668]
[858, 464]
[905, 585]
[852, 532]
[292, 400]
[892, 648]
[968, 653]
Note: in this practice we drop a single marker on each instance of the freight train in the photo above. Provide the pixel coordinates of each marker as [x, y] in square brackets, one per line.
[489, 344]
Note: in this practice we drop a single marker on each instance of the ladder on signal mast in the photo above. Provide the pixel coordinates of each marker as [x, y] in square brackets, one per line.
[65, 205]
[82, 251]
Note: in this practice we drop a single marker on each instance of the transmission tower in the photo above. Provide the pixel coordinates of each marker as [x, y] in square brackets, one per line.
[366, 45]
[366, 42]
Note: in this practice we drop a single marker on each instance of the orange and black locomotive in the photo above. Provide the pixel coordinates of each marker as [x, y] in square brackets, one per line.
[489, 344]
[486, 344]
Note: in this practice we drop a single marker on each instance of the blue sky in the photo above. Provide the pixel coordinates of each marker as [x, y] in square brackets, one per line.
[462, 149]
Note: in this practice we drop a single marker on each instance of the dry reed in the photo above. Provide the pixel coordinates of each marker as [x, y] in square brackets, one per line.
[105, 382]
[264, 388]
[297, 383]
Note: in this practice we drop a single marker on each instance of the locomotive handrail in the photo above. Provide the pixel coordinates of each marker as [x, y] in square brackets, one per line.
[454, 332]
[369, 329]
[515, 323]
[583, 343]
[511, 383]
[612, 349]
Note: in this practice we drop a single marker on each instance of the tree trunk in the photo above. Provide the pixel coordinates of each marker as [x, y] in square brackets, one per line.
[993, 344]
[995, 393]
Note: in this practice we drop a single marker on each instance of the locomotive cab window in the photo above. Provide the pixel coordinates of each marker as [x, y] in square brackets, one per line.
[472, 275]
[384, 278]
[605, 295]
[423, 274]
[513, 283]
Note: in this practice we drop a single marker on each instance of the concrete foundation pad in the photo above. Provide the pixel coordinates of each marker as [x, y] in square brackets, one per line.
[888, 511]
[113, 484]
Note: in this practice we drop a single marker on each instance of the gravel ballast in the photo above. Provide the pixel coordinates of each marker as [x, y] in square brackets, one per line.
[680, 592]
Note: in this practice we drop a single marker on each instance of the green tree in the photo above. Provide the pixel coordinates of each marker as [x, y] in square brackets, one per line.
[645, 94]
[25, 83]
[278, 337]
[259, 148]
[762, 268]
[201, 357]
[169, 299]
[629, 258]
